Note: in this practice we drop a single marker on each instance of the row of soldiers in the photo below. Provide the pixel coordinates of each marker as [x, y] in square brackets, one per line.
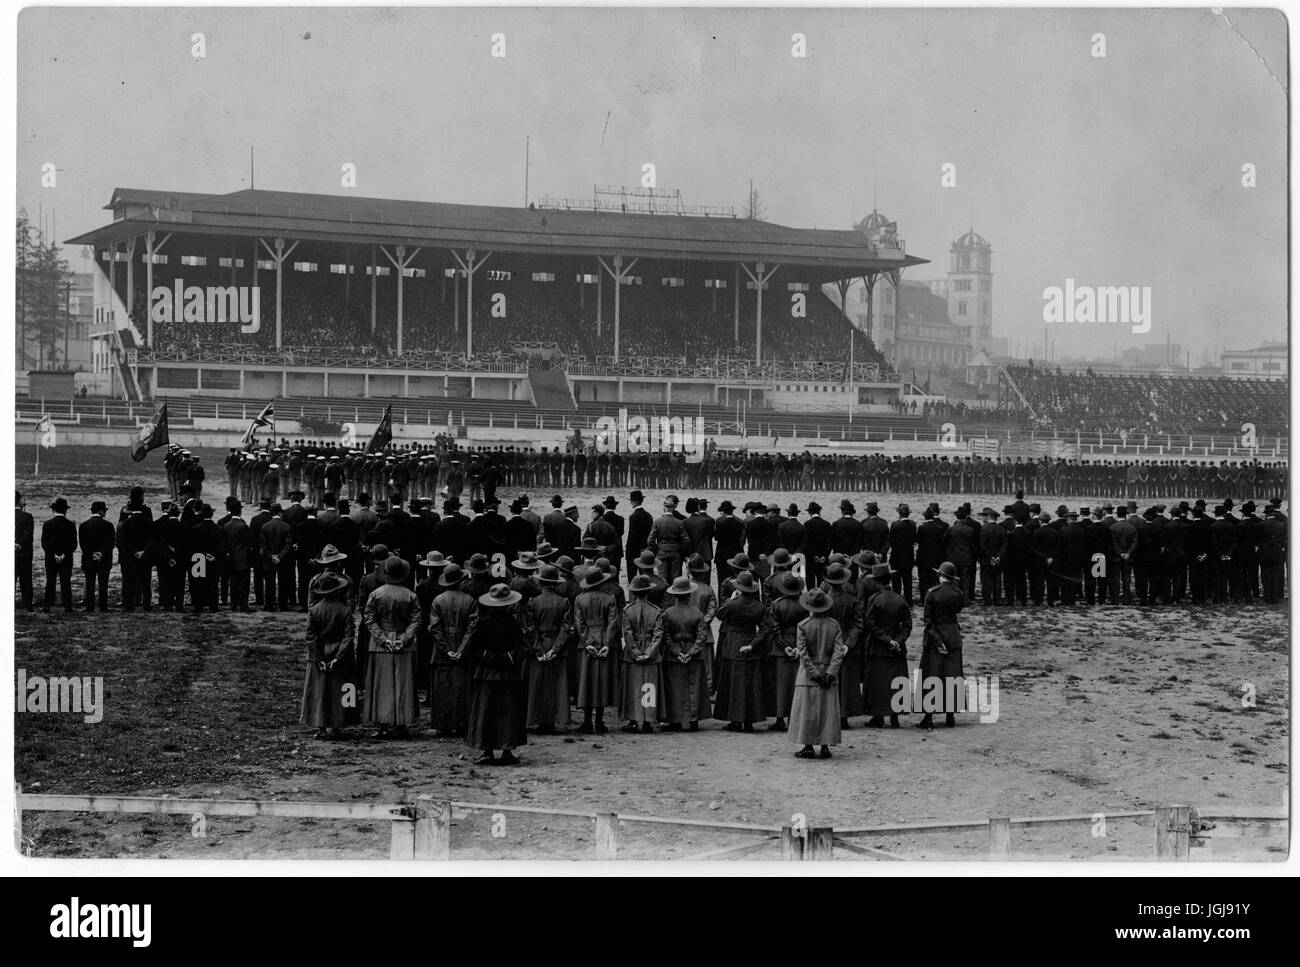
[1104, 555]
[427, 470]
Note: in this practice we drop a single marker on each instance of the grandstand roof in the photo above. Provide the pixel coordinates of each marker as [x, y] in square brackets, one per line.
[832, 254]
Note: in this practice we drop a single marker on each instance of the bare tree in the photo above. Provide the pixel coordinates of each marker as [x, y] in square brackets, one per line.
[754, 207]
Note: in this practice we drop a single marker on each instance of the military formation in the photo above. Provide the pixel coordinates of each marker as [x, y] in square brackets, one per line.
[614, 614]
[425, 470]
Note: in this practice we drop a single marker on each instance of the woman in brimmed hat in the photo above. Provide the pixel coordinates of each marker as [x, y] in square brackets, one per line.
[452, 615]
[331, 670]
[366, 587]
[478, 577]
[941, 666]
[782, 664]
[685, 634]
[819, 649]
[498, 697]
[523, 572]
[741, 648]
[641, 683]
[392, 615]
[887, 624]
[331, 562]
[548, 621]
[848, 614]
[706, 602]
[597, 622]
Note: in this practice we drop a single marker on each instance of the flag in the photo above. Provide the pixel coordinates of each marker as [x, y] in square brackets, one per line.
[383, 433]
[45, 432]
[265, 418]
[151, 436]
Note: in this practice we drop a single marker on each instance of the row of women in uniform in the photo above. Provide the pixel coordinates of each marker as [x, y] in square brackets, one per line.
[505, 658]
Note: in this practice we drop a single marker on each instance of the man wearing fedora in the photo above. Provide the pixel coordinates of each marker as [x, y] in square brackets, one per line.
[700, 530]
[392, 617]
[639, 525]
[816, 543]
[941, 663]
[497, 651]
[815, 714]
[97, 538]
[902, 552]
[887, 623]
[992, 548]
[730, 534]
[930, 536]
[59, 542]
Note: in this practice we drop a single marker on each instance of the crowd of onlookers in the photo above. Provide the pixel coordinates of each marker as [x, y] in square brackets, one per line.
[1145, 403]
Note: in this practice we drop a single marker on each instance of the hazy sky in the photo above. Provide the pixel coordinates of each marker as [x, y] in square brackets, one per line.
[1122, 170]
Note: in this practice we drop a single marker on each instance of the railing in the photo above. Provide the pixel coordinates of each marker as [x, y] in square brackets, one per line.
[423, 361]
[421, 830]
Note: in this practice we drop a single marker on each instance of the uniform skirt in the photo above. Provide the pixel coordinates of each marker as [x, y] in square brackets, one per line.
[548, 692]
[390, 688]
[642, 692]
[496, 715]
[942, 688]
[449, 697]
[329, 699]
[850, 684]
[815, 715]
[597, 685]
[740, 691]
[686, 690]
[882, 691]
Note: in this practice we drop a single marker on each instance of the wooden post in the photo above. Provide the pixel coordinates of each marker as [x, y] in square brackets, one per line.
[791, 844]
[18, 819]
[606, 836]
[1173, 832]
[820, 843]
[1000, 838]
[433, 829]
[401, 844]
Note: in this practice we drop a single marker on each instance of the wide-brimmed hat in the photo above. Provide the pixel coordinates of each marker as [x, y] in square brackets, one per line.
[593, 577]
[697, 565]
[838, 574]
[545, 551]
[865, 558]
[477, 564]
[726, 507]
[549, 574]
[781, 558]
[815, 600]
[451, 575]
[682, 586]
[879, 571]
[610, 501]
[434, 559]
[395, 570]
[564, 564]
[59, 505]
[589, 547]
[296, 495]
[645, 561]
[641, 584]
[740, 563]
[787, 584]
[744, 582]
[500, 596]
[527, 561]
[329, 555]
[947, 570]
[331, 582]
[379, 552]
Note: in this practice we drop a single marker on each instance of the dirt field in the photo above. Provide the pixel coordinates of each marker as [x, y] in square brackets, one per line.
[1100, 711]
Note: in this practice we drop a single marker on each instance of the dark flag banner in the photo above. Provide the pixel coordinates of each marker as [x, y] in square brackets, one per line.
[265, 418]
[383, 433]
[151, 436]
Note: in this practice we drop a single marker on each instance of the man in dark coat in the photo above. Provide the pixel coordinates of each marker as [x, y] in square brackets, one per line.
[961, 544]
[846, 533]
[790, 533]
[699, 531]
[97, 538]
[1272, 555]
[1074, 558]
[135, 545]
[730, 533]
[875, 532]
[902, 553]
[617, 522]
[1223, 543]
[255, 543]
[1018, 556]
[992, 545]
[59, 542]
[816, 544]
[276, 554]
[941, 651]
[887, 624]
[237, 549]
[203, 560]
[451, 536]
[603, 533]
[930, 536]
[639, 524]
[24, 543]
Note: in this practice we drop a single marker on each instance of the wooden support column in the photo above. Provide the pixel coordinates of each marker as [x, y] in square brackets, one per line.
[130, 275]
[432, 829]
[1000, 838]
[151, 248]
[606, 836]
[469, 265]
[760, 278]
[869, 284]
[374, 287]
[618, 273]
[278, 254]
[735, 315]
[400, 262]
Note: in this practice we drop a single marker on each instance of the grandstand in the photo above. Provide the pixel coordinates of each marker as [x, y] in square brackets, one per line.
[367, 298]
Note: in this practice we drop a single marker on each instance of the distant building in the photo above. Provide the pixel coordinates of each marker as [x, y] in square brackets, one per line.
[1269, 360]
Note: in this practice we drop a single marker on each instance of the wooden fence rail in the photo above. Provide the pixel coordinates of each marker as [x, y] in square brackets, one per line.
[422, 830]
